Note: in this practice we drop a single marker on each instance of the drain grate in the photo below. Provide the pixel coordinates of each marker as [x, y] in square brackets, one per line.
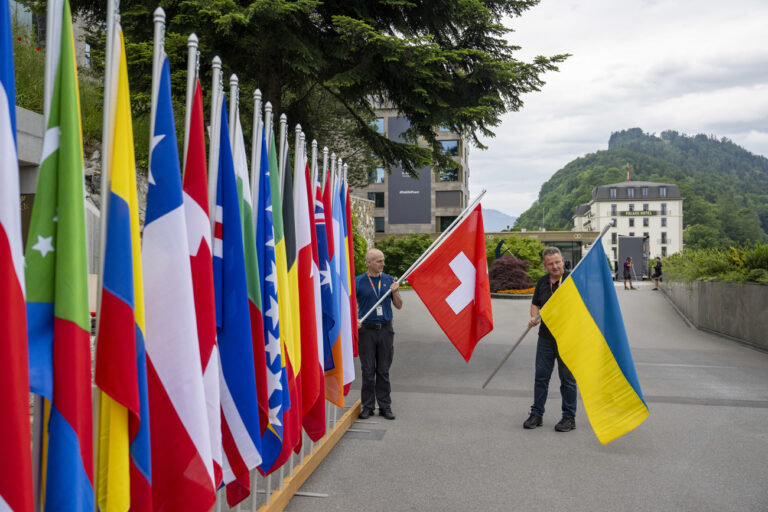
[364, 433]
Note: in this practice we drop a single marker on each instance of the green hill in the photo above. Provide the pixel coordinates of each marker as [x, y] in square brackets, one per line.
[725, 186]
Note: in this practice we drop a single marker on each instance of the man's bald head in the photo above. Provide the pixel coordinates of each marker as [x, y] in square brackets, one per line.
[374, 258]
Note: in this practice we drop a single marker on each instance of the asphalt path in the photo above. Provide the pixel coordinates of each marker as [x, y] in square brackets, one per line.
[456, 447]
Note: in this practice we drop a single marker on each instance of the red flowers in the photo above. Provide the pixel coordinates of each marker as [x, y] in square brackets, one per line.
[18, 38]
[37, 48]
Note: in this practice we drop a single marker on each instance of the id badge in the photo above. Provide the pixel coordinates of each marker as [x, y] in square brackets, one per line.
[379, 310]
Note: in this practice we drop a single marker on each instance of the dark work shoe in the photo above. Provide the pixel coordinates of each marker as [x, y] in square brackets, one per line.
[566, 425]
[387, 413]
[365, 413]
[533, 421]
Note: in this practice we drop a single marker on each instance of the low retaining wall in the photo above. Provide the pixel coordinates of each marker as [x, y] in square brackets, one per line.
[738, 310]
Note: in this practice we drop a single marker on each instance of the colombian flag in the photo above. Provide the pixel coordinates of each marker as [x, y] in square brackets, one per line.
[585, 319]
[124, 467]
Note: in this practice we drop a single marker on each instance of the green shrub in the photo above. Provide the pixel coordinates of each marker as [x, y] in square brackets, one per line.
[360, 246]
[29, 63]
[400, 253]
[524, 248]
[738, 264]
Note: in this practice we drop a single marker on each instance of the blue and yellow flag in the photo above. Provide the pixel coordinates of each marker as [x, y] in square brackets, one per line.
[585, 319]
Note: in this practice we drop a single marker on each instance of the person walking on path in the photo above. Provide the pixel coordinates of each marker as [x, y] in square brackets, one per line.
[656, 273]
[546, 350]
[376, 335]
[628, 268]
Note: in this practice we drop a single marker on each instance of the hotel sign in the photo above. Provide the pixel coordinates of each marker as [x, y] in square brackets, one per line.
[640, 213]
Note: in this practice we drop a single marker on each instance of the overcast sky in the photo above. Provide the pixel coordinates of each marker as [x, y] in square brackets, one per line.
[695, 66]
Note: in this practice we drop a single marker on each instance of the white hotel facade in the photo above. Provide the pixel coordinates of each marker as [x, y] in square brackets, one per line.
[635, 208]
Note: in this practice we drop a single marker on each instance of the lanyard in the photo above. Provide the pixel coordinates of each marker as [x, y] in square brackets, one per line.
[373, 287]
[559, 282]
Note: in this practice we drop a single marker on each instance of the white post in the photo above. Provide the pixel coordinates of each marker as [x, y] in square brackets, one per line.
[331, 173]
[191, 79]
[234, 96]
[157, 57]
[325, 167]
[297, 151]
[281, 151]
[313, 177]
[256, 152]
[213, 153]
[268, 127]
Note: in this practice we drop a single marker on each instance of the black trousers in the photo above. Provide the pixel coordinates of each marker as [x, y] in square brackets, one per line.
[376, 349]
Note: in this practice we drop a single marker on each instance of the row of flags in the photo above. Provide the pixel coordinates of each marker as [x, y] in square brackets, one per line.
[221, 334]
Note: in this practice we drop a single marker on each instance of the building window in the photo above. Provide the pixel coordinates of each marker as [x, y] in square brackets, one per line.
[630, 193]
[613, 210]
[645, 234]
[631, 223]
[631, 207]
[446, 221]
[663, 222]
[645, 207]
[645, 222]
[450, 147]
[664, 252]
[662, 191]
[377, 198]
[377, 175]
[448, 198]
[644, 191]
[613, 192]
[379, 124]
[663, 237]
[445, 128]
[613, 238]
[379, 224]
[613, 251]
[613, 222]
[449, 174]
[663, 208]
[631, 233]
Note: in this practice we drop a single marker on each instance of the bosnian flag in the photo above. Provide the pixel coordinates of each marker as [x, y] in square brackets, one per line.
[16, 470]
[181, 451]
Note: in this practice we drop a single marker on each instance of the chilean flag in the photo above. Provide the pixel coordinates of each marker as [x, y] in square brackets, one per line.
[181, 444]
[453, 283]
[16, 471]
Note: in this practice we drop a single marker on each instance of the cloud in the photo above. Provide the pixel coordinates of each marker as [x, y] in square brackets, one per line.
[692, 66]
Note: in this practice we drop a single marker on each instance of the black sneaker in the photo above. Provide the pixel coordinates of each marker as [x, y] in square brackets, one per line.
[566, 425]
[365, 413]
[533, 421]
[387, 413]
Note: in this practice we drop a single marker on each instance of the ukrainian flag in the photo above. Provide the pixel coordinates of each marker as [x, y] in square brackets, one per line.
[585, 319]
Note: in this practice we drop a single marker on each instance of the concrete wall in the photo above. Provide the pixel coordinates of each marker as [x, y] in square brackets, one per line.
[363, 210]
[739, 310]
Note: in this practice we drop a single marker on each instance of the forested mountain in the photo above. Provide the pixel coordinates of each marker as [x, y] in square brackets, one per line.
[725, 186]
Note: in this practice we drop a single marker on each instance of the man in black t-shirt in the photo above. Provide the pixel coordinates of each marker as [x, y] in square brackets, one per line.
[546, 349]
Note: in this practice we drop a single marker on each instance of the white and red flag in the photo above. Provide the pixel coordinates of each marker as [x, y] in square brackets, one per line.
[453, 283]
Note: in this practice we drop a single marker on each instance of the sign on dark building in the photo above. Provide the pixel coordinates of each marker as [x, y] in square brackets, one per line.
[409, 198]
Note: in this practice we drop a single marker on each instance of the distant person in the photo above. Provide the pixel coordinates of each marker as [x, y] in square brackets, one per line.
[546, 349]
[628, 267]
[567, 265]
[656, 276]
[376, 335]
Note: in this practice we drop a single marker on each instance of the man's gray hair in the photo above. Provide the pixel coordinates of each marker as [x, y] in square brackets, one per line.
[550, 251]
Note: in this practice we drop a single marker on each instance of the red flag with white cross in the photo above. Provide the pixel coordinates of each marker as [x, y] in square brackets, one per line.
[453, 283]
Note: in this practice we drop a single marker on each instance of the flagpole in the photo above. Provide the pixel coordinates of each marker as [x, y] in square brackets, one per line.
[256, 151]
[297, 152]
[191, 76]
[493, 374]
[313, 174]
[331, 171]
[268, 127]
[234, 96]
[280, 161]
[325, 166]
[213, 152]
[429, 251]
[157, 51]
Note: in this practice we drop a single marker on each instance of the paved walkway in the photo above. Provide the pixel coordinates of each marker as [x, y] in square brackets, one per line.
[455, 447]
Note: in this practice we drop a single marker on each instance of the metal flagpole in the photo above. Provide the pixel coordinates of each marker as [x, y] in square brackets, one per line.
[313, 177]
[281, 152]
[157, 53]
[429, 251]
[331, 172]
[598, 240]
[325, 167]
[213, 133]
[234, 93]
[268, 126]
[191, 76]
[256, 152]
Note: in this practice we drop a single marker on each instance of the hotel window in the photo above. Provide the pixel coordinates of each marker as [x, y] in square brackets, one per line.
[445, 128]
[630, 193]
[613, 222]
[663, 222]
[449, 174]
[631, 207]
[631, 233]
[613, 193]
[663, 237]
[379, 124]
[645, 234]
[645, 222]
[663, 208]
[377, 175]
[645, 207]
[613, 238]
[662, 191]
[631, 223]
[379, 224]
[644, 191]
[664, 252]
[613, 210]
[377, 198]
[450, 147]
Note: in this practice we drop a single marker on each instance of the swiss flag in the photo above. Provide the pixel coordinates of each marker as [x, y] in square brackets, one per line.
[453, 284]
